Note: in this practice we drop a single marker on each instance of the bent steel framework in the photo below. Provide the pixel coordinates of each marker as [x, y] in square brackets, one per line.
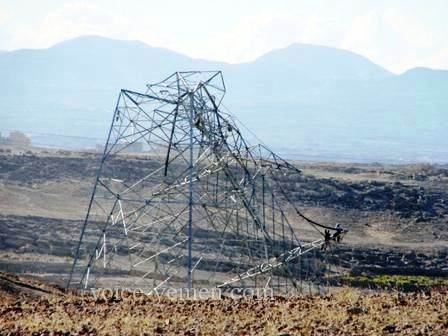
[210, 210]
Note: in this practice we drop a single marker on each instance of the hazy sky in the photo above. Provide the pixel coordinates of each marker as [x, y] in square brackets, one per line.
[397, 34]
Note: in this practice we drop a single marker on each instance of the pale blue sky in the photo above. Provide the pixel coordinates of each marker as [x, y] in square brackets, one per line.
[397, 34]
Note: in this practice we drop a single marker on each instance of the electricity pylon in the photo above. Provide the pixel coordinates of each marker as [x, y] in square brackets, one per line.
[204, 209]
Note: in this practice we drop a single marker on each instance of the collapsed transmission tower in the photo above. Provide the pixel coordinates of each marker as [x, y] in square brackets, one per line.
[204, 209]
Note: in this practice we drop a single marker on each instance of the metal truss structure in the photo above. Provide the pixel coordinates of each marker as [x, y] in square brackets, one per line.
[210, 210]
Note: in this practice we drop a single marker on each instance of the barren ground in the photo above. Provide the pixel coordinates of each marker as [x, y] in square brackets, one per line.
[30, 307]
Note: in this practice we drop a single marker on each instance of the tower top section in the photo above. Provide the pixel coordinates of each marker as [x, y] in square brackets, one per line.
[179, 84]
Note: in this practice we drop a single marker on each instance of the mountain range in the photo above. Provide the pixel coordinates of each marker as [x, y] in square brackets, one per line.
[305, 101]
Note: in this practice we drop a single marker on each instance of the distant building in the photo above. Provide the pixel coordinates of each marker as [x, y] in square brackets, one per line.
[15, 138]
[19, 138]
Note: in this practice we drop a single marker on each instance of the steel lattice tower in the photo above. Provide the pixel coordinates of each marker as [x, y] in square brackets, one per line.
[210, 209]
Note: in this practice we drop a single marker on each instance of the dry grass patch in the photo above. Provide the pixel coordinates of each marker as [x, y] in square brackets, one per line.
[348, 312]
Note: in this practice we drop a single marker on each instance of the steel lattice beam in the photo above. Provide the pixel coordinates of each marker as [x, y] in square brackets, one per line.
[208, 209]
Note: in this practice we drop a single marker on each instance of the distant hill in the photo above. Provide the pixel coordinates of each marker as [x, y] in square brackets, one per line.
[90, 62]
[284, 72]
[319, 102]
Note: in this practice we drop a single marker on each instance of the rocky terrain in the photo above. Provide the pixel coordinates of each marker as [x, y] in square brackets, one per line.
[410, 200]
[412, 192]
[396, 215]
[44, 247]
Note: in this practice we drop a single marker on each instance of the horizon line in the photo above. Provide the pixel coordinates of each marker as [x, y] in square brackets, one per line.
[3, 51]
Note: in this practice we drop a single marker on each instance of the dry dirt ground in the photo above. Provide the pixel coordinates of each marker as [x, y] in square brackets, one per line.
[30, 307]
